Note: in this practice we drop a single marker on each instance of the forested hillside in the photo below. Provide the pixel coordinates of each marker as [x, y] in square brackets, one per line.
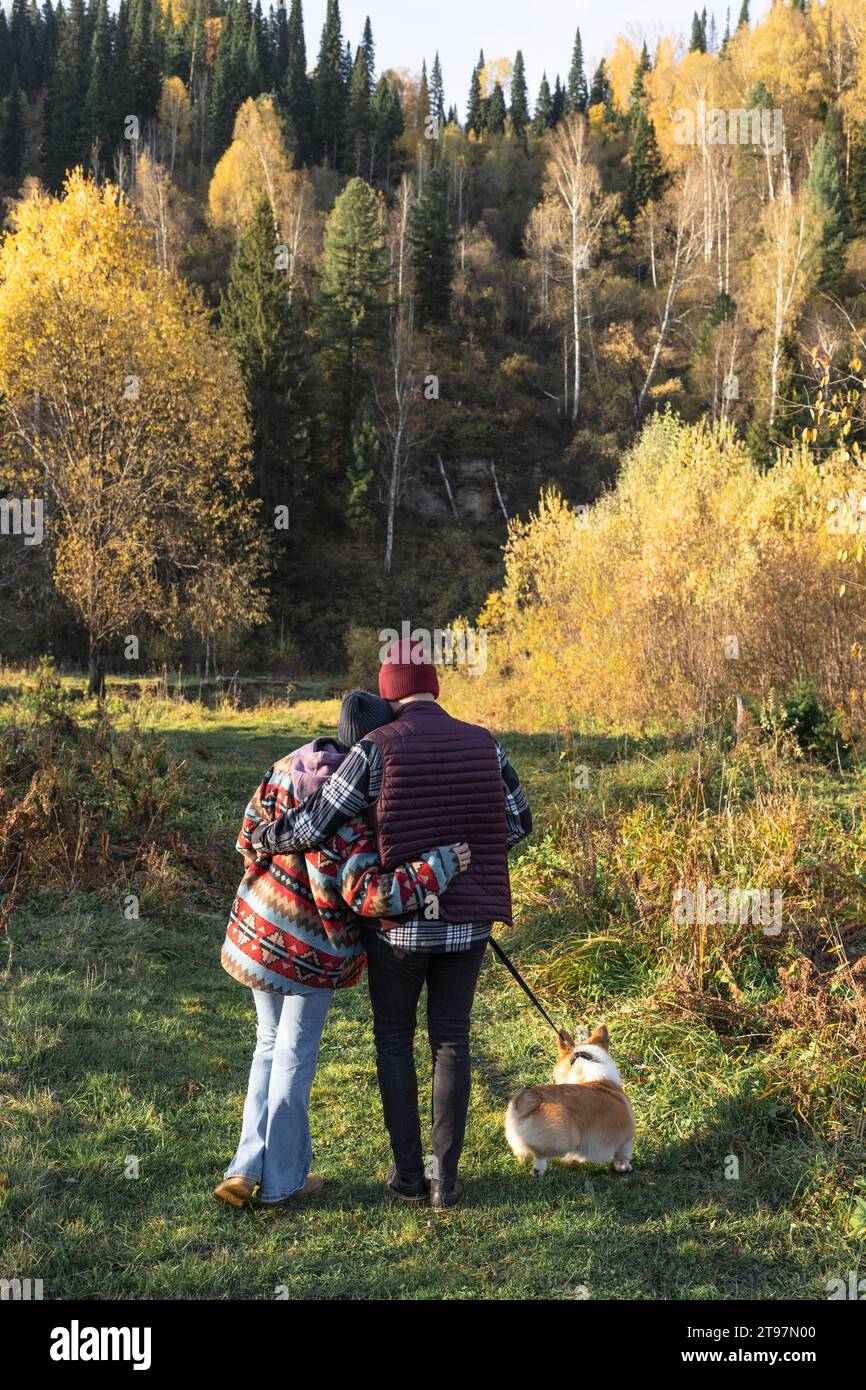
[285, 342]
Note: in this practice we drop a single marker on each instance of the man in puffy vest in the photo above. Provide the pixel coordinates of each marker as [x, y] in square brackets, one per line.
[428, 779]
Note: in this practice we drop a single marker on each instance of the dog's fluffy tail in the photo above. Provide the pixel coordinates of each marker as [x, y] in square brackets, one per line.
[524, 1102]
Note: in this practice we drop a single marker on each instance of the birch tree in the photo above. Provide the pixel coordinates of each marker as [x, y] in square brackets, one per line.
[686, 207]
[574, 186]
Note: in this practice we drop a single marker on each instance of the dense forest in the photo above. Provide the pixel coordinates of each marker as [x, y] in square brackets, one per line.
[285, 342]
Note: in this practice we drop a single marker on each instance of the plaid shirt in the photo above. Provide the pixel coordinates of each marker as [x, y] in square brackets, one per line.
[353, 787]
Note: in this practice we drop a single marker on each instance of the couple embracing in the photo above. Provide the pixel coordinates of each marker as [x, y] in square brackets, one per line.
[387, 847]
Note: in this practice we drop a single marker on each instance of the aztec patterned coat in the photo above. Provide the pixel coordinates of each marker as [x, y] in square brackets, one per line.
[295, 919]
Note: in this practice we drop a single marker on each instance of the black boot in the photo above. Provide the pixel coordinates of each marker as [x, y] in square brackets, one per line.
[407, 1189]
[445, 1196]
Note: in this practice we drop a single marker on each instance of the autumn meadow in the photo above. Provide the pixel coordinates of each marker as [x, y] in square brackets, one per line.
[296, 350]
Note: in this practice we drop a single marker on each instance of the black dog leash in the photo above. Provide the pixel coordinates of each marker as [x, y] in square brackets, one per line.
[509, 965]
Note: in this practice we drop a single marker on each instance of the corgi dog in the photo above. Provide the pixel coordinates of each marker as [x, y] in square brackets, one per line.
[585, 1117]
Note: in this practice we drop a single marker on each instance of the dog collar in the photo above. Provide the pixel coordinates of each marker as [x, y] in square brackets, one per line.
[584, 1056]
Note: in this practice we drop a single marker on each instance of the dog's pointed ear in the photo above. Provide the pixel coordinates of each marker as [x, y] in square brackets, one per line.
[600, 1038]
[564, 1042]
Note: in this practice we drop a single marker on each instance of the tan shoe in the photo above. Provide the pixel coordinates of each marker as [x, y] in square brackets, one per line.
[313, 1185]
[235, 1192]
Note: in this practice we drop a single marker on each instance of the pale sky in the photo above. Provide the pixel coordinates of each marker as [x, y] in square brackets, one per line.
[405, 31]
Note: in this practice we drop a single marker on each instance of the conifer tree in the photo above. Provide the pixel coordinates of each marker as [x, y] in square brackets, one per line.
[437, 91]
[826, 192]
[296, 95]
[362, 469]
[271, 348]
[329, 89]
[475, 108]
[145, 61]
[66, 97]
[599, 92]
[576, 94]
[386, 119]
[369, 49]
[98, 130]
[6, 63]
[256, 62]
[857, 182]
[640, 72]
[698, 40]
[645, 175]
[227, 86]
[494, 111]
[13, 124]
[358, 115]
[278, 27]
[351, 305]
[23, 44]
[423, 97]
[519, 100]
[542, 119]
[744, 15]
[558, 102]
[433, 250]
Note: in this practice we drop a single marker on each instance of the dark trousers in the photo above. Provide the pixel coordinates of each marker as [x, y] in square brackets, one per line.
[396, 978]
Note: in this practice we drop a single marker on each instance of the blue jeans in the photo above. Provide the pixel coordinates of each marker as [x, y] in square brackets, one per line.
[275, 1149]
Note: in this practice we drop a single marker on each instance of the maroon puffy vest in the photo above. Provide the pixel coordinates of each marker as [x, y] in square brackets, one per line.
[441, 783]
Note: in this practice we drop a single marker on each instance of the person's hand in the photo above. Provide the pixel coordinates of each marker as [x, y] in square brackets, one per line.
[463, 854]
[259, 849]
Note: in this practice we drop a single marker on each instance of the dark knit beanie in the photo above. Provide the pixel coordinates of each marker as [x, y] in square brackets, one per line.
[360, 714]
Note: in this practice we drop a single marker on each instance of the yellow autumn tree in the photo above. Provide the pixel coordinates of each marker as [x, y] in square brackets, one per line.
[123, 412]
[256, 165]
[699, 577]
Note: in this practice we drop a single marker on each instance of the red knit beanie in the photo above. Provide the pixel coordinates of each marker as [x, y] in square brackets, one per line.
[407, 670]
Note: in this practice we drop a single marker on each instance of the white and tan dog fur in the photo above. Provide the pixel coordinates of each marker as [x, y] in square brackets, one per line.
[585, 1117]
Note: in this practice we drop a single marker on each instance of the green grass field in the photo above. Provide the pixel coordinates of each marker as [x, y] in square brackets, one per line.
[126, 1050]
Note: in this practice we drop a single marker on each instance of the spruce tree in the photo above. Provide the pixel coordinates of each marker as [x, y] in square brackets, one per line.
[826, 192]
[296, 93]
[576, 94]
[645, 174]
[386, 119]
[475, 107]
[637, 86]
[744, 15]
[369, 49]
[99, 130]
[225, 88]
[65, 146]
[599, 92]
[698, 40]
[329, 89]
[494, 111]
[542, 119]
[558, 101]
[14, 131]
[432, 240]
[358, 115]
[255, 59]
[423, 97]
[272, 354]
[519, 99]
[279, 45]
[857, 182]
[145, 31]
[437, 91]
[351, 305]
[23, 48]
[362, 469]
